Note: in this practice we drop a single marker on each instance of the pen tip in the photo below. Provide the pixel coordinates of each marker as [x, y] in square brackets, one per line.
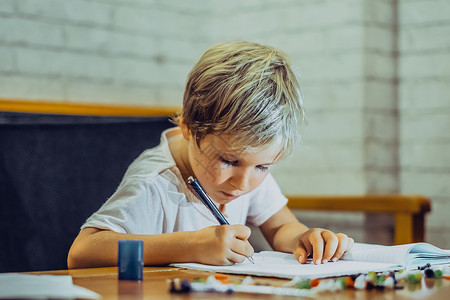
[251, 259]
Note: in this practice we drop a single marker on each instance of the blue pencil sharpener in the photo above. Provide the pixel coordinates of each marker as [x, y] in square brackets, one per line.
[131, 259]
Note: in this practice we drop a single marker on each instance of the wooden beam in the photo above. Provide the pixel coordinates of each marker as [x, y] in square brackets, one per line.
[84, 109]
[366, 203]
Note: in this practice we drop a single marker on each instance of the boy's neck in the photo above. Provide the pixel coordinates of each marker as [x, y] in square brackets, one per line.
[178, 148]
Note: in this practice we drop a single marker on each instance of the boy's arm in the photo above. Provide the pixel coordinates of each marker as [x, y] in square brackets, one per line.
[285, 233]
[98, 248]
[217, 245]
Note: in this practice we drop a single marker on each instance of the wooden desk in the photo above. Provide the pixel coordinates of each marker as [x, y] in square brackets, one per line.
[104, 281]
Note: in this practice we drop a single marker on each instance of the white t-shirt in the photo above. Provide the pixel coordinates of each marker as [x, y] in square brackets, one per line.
[153, 198]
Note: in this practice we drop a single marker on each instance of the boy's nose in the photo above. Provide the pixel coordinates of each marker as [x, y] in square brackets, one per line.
[240, 179]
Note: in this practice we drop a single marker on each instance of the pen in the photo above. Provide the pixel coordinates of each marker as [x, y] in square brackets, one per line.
[207, 201]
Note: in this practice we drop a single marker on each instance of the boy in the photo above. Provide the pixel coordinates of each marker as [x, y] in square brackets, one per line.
[240, 113]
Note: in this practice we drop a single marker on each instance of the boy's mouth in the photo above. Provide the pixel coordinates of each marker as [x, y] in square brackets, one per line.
[229, 196]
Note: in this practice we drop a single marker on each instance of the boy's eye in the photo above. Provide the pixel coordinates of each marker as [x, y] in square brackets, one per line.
[235, 162]
[228, 162]
[262, 168]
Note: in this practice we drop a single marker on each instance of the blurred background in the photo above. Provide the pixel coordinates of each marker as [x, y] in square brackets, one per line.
[375, 76]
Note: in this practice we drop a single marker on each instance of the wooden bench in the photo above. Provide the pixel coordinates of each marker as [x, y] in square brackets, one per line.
[408, 210]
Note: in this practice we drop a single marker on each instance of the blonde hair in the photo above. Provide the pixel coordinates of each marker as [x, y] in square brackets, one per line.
[246, 91]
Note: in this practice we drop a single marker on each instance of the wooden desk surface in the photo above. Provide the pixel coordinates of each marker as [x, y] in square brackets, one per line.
[104, 281]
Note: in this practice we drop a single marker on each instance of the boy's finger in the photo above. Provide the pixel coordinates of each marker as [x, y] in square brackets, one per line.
[241, 247]
[317, 245]
[301, 254]
[342, 247]
[241, 232]
[234, 257]
[332, 243]
[308, 247]
[350, 244]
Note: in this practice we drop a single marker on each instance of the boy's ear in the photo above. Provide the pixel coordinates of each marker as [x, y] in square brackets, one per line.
[184, 129]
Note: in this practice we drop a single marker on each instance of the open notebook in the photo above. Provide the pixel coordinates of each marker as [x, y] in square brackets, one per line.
[362, 259]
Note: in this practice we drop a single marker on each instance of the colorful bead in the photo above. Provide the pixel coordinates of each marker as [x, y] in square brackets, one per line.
[247, 280]
[342, 282]
[315, 282]
[349, 282]
[418, 276]
[372, 275]
[429, 273]
[221, 277]
[412, 278]
[379, 280]
[304, 284]
[369, 285]
[389, 282]
[360, 282]
[438, 273]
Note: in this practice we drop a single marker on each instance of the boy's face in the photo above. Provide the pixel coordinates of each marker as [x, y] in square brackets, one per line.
[226, 174]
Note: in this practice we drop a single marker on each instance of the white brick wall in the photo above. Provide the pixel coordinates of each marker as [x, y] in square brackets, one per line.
[38, 87]
[30, 32]
[424, 69]
[8, 59]
[140, 51]
[6, 6]
[79, 11]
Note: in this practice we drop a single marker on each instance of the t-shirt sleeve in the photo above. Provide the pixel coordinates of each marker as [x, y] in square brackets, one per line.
[266, 200]
[134, 208]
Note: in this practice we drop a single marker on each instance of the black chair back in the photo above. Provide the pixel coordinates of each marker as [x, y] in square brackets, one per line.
[55, 171]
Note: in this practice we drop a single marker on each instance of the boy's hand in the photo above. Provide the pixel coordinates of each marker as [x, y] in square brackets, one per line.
[323, 245]
[222, 245]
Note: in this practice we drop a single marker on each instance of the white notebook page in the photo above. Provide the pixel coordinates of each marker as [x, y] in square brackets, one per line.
[284, 265]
